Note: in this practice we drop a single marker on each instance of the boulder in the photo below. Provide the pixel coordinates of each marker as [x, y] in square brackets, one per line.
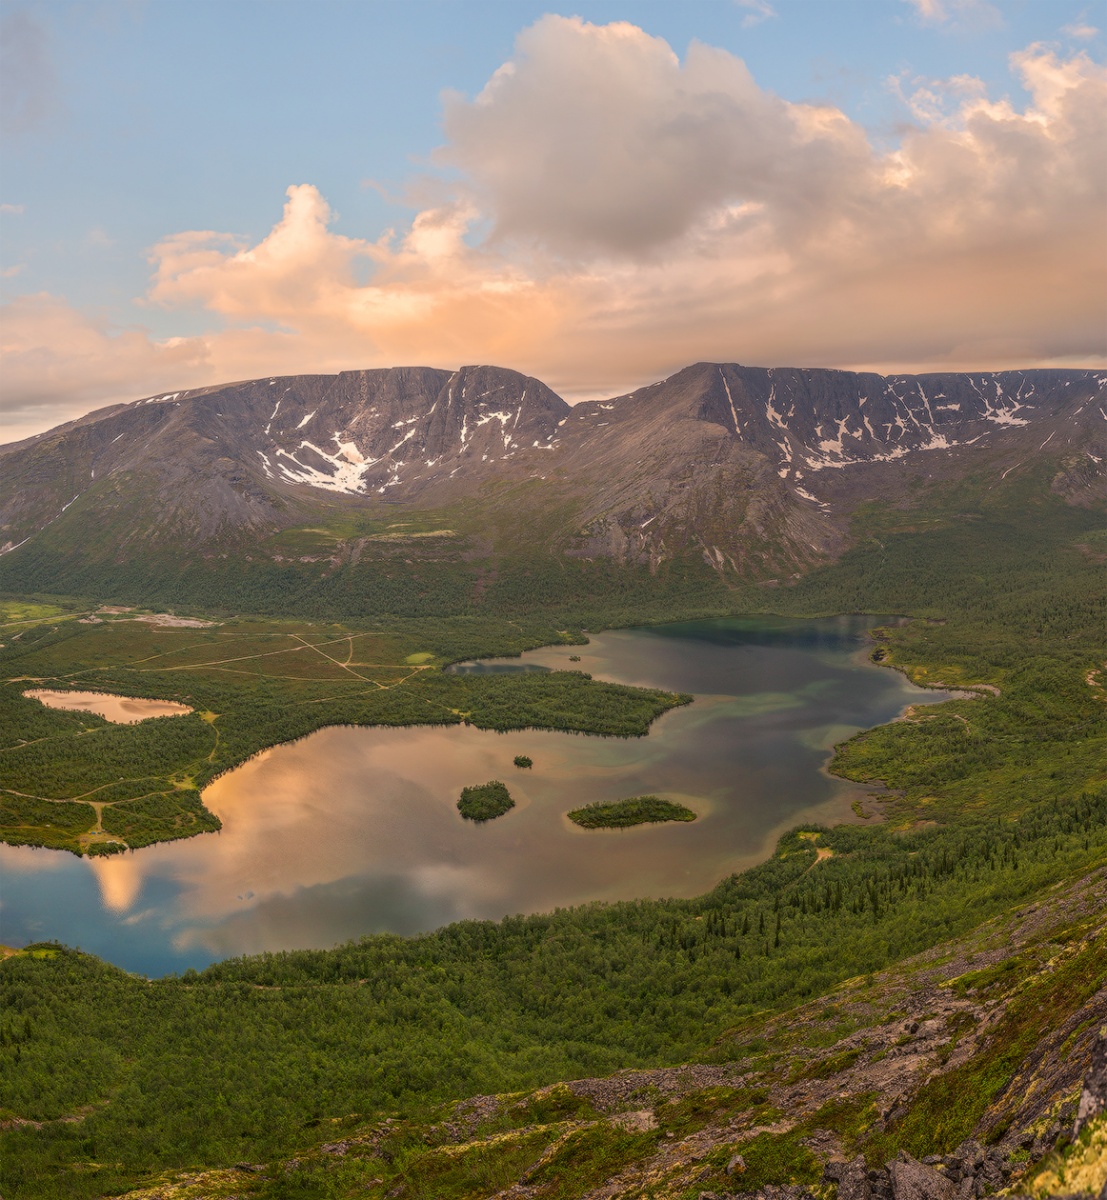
[736, 1165]
[912, 1180]
[1093, 1099]
[853, 1180]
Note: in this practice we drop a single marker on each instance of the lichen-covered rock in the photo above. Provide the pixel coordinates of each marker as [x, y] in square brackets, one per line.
[913, 1180]
[851, 1177]
[1093, 1099]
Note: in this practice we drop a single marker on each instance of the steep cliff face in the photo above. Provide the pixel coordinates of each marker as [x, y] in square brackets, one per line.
[255, 456]
[757, 470]
[377, 430]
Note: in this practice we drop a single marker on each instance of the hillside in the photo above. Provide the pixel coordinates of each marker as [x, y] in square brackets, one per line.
[316, 484]
[930, 984]
[935, 1078]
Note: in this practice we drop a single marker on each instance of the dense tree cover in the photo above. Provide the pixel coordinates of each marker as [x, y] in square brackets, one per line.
[1009, 570]
[159, 817]
[1001, 796]
[485, 801]
[635, 810]
[252, 686]
[234, 1061]
[517, 582]
[30, 822]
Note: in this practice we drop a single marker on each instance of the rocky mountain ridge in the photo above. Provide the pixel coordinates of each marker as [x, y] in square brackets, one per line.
[750, 467]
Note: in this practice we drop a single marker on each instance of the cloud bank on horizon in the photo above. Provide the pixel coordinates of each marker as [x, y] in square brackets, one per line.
[605, 212]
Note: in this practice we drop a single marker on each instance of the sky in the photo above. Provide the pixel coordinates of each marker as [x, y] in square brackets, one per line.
[193, 192]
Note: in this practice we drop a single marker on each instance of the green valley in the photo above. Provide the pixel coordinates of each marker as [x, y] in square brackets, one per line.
[999, 799]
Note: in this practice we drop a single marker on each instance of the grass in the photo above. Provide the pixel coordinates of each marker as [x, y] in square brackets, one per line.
[586, 1157]
[635, 810]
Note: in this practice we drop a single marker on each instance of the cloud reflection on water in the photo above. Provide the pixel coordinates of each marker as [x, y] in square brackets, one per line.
[353, 831]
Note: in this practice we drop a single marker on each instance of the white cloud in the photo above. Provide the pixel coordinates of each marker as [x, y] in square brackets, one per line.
[599, 138]
[757, 11]
[970, 15]
[12, 210]
[937, 101]
[59, 363]
[1080, 30]
[645, 213]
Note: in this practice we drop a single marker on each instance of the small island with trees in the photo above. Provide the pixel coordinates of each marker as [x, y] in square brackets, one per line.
[485, 801]
[524, 760]
[635, 810]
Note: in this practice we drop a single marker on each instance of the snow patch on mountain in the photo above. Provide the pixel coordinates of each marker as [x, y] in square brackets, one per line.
[349, 467]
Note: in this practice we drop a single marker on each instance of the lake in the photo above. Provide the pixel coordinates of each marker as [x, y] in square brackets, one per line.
[126, 710]
[355, 830]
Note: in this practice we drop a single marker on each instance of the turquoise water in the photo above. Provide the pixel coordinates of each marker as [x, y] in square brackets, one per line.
[355, 831]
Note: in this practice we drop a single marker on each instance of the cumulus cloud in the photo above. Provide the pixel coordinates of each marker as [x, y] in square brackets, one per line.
[646, 212]
[600, 138]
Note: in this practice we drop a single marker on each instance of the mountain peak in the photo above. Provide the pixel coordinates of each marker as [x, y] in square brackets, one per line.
[742, 450]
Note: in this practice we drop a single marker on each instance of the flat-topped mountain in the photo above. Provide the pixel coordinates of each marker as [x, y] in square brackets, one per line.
[236, 456]
[755, 469]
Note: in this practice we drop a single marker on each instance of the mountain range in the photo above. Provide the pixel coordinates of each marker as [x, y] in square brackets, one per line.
[755, 470]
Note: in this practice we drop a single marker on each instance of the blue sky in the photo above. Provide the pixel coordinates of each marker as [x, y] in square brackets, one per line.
[128, 123]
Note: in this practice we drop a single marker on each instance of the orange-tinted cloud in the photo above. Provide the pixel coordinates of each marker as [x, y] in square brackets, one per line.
[646, 212]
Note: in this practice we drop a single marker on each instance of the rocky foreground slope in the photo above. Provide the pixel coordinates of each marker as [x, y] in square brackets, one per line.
[976, 1069]
[747, 467]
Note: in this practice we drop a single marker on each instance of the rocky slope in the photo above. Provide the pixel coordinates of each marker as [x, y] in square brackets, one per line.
[975, 1069]
[753, 469]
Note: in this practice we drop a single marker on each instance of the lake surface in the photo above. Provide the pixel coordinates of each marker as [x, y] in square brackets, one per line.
[354, 831]
[124, 710]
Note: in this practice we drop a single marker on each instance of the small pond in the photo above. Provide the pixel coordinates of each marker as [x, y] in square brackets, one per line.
[125, 710]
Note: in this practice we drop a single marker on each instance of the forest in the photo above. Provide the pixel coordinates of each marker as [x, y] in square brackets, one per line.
[485, 801]
[251, 684]
[994, 798]
[634, 810]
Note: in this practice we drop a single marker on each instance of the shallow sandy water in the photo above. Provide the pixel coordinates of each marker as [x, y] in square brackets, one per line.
[125, 710]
